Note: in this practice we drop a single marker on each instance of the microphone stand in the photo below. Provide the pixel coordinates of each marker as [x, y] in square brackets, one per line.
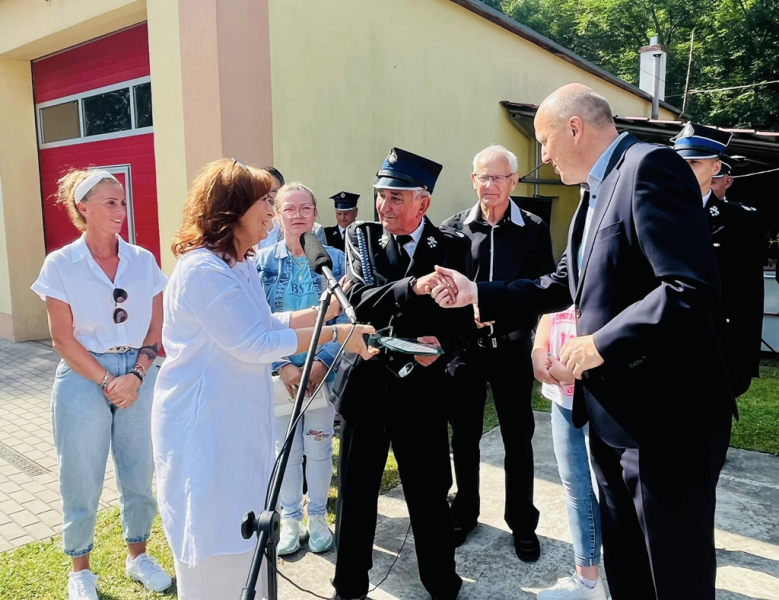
[268, 525]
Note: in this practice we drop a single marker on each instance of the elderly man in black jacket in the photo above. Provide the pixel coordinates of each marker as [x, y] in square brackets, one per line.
[651, 378]
[398, 399]
[506, 243]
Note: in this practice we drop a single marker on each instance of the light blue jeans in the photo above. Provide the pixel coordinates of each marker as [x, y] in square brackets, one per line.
[85, 425]
[314, 439]
[571, 447]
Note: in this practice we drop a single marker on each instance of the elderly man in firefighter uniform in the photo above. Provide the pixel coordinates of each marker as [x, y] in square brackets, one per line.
[737, 235]
[399, 399]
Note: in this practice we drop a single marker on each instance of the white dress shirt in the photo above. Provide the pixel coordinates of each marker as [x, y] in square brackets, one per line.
[213, 422]
[410, 247]
[71, 275]
[706, 199]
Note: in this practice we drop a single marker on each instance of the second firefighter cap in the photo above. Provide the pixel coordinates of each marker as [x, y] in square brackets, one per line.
[404, 170]
[699, 141]
[345, 200]
[724, 169]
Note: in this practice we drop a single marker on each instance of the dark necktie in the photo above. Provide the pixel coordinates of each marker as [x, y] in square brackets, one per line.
[402, 240]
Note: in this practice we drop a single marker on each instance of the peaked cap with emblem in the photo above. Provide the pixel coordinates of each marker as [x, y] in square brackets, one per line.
[699, 142]
[404, 170]
[345, 200]
[724, 169]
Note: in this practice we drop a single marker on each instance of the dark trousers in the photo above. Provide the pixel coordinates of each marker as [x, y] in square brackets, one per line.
[421, 446]
[657, 516]
[509, 372]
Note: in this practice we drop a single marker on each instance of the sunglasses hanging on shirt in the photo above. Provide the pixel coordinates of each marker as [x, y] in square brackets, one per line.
[120, 314]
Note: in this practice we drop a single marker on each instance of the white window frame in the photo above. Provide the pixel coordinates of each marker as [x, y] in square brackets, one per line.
[93, 138]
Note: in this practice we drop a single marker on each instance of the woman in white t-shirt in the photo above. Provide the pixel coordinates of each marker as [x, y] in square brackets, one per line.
[571, 447]
[104, 301]
[213, 417]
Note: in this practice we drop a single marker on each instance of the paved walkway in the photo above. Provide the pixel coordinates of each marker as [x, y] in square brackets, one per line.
[747, 536]
[747, 519]
[30, 507]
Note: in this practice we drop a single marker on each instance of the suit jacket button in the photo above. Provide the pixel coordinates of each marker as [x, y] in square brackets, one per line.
[578, 313]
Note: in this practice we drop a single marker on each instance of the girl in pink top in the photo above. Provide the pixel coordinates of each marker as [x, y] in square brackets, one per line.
[571, 446]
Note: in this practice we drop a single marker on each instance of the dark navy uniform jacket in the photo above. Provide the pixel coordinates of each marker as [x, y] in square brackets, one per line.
[647, 290]
[381, 296]
[737, 237]
[334, 239]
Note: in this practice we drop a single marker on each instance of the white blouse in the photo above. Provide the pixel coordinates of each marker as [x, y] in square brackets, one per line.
[213, 417]
[71, 275]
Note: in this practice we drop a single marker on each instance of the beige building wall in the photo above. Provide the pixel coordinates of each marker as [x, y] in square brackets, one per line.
[22, 314]
[352, 78]
[210, 69]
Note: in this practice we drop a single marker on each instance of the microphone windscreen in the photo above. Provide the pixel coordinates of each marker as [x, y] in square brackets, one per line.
[315, 252]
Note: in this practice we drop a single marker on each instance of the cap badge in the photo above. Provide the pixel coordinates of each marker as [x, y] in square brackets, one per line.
[343, 195]
[688, 130]
[393, 157]
[384, 240]
[432, 242]
[714, 211]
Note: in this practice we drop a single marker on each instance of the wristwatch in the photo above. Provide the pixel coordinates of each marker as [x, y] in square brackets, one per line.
[335, 332]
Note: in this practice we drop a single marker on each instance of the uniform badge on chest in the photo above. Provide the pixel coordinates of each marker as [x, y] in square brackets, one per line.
[432, 242]
[384, 240]
[714, 211]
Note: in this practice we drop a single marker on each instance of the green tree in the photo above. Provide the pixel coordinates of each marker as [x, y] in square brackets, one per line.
[736, 43]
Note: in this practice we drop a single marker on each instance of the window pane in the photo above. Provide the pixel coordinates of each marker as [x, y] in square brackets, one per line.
[143, 105]
[60, 122]
[107, 113]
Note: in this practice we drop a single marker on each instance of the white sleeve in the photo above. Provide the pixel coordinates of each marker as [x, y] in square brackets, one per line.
[281, 320]
[158, 279]
[49, 283]
[222, 307]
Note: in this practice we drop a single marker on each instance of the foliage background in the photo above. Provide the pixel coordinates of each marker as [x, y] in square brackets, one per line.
[736, 43]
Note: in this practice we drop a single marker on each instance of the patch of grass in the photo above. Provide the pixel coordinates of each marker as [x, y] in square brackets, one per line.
[39, 571]
[758, 428]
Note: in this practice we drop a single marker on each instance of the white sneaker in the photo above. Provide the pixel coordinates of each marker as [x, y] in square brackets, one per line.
[146, 570]
[572, 588]
[82, 585]
[321, 538]
[292, 533]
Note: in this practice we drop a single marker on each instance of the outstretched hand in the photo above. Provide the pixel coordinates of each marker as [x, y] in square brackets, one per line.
[455, 290]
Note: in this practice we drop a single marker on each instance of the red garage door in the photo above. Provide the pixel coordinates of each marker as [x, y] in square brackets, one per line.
[93, 105]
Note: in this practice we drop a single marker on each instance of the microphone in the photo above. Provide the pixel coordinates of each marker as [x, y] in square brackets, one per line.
[320, 261]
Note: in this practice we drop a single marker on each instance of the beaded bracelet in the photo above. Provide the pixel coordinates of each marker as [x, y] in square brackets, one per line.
[105, 380]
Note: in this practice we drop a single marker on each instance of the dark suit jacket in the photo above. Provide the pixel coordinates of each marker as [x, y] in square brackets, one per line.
[737, 233]
[334, 238]
[648, 286]
[381, 297]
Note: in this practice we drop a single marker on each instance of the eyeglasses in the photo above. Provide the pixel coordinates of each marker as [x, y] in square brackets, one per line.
[120, 314]
[482, 178]
[305, 211]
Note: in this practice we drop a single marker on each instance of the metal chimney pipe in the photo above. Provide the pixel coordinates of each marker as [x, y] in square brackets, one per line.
[656, 93]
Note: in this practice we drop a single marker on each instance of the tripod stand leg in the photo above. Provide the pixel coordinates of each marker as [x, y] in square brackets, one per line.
[273, 582]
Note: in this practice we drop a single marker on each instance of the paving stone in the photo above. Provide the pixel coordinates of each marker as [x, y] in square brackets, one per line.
[22, 496]
[24, 518]
[11, 531]
[36, 506]
[9, 507]
[39, 531]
